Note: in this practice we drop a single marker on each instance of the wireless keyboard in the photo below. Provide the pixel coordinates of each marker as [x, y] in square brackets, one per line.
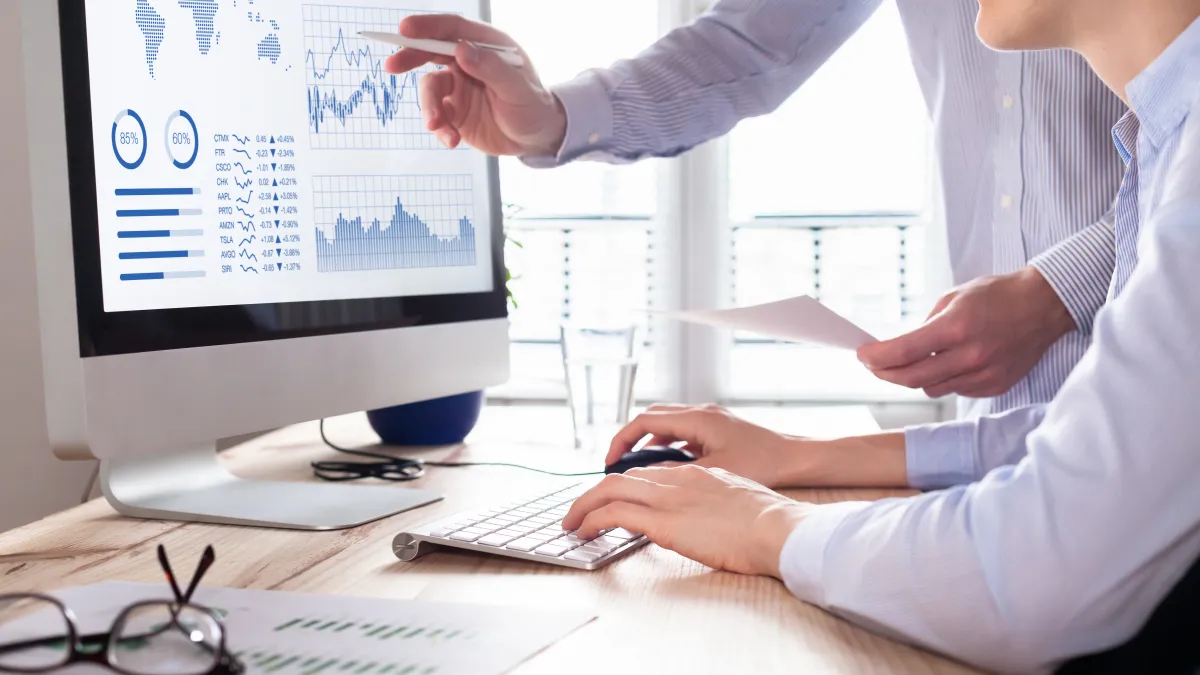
[529, 528]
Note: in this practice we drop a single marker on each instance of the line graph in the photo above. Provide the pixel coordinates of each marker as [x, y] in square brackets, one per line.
[352, 102]
[394, 222]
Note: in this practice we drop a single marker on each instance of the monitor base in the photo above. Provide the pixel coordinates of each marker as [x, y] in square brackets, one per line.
[192, 485]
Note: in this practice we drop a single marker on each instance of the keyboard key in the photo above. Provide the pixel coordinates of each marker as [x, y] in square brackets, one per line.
[610, 541]
[598, 548]
[525, 545]
[443, 531]
[584, 555]
[541, 520]
[622, 534]
[470, 534]
[513, 531]
[542, 535]
[493, 524]
[573, 540]
[495, 540]
[552, 550]
[507, 520]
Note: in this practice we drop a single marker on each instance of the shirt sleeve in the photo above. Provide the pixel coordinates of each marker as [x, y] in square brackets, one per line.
[741, 59]
[956, 453]
[1070, 550]
[1080, 271]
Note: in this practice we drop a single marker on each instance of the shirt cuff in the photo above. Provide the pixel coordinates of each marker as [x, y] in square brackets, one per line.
[802, 560]
[589, 111]
[941, 455]
[1080, 271]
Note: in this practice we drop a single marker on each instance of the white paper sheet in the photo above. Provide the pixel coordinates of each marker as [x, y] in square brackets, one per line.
[799, 319]
[299, 634]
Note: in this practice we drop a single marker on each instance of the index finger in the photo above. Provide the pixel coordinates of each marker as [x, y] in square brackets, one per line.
[454, 28]
[677, 424]
[614, 488]
[907, 349]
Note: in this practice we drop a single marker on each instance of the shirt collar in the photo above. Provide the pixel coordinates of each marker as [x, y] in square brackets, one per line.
[1125, 135]
[1164, 92]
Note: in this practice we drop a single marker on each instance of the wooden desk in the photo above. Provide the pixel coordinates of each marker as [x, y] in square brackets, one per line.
[658, 612]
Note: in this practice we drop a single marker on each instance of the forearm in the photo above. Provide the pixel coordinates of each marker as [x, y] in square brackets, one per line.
[699, 81]
[956, 453]
[876, 460]
[1080, 271]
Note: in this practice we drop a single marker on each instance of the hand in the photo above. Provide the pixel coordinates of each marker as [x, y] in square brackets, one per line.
[477, 98]
[714, 435]
[709, 515]
[980, 339]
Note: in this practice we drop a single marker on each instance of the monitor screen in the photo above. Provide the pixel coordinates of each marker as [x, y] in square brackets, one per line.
[255, 154]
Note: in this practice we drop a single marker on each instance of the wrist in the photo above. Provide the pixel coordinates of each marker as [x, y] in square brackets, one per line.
[554, 133]
[772, 529]
[875, 460]
[1051, 310]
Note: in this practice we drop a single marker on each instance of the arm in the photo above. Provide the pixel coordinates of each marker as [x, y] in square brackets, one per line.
[739, 60]
[1080, 271]
[957, 453]
[1069, 551]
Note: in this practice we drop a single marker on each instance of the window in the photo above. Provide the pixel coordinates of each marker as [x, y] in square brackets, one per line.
[829, 196]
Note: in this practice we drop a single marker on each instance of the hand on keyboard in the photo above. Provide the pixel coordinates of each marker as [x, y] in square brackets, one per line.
[710, 515]
[532, 528]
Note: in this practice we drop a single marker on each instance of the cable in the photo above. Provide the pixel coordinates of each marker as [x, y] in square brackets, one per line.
[399, 469]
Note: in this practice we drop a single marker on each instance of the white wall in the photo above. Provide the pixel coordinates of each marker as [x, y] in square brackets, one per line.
[33, 483]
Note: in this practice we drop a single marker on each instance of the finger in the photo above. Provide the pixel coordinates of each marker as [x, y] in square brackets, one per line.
[942, 303]
[668, 407]
[632, 517]
[661, 441]
[936, 369]
[509, 83]
[614, 488]
[410, 59]
[678, 425]
[432, 93]
[982, 384]
[935, 336]
[454, 28]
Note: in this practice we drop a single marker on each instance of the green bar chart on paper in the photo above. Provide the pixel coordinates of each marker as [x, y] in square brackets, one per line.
[298, 634]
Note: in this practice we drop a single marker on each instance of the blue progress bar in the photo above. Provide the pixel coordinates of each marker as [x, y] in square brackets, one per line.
[149, 255]
[155, 192]
[158, 234]
[159, 276]
[152, 213]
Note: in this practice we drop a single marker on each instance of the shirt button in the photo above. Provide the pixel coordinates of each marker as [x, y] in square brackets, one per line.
[1006, 202]
[594, 139]
[1008, 101]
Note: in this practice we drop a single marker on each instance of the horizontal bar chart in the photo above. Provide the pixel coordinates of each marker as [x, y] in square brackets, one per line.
[157, 213]
[156, 192]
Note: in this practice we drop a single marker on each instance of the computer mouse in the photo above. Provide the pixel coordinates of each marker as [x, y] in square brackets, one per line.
[647, 456]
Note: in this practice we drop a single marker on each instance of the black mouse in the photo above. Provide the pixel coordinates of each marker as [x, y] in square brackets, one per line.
[647, 456]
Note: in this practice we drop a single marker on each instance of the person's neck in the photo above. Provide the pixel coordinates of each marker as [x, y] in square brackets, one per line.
[1131, 36]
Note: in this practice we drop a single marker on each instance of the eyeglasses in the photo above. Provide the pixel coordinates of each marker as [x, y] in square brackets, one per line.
[38, 634]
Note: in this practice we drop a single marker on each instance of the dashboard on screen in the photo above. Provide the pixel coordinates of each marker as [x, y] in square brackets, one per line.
[253, 152]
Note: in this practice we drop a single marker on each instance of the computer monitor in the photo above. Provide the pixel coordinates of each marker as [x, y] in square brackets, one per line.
[241, 223]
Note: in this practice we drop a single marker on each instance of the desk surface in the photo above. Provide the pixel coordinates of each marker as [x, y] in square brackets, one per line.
[658, 612]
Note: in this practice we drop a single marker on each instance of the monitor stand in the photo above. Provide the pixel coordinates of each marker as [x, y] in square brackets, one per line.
[192, 485]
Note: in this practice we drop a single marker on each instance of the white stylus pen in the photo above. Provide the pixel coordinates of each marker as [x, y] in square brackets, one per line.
[445, 48]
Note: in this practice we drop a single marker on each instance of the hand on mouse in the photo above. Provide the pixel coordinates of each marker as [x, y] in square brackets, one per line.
[714, 435]
[709, 515]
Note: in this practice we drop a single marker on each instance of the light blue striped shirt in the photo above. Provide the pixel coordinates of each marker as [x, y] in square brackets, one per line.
[1075, 530]
[1028, 171]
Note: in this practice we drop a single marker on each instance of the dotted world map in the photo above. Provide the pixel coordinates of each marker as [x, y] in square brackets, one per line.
[203, 30]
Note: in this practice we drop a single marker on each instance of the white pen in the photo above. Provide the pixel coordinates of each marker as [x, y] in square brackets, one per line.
[445, 48]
